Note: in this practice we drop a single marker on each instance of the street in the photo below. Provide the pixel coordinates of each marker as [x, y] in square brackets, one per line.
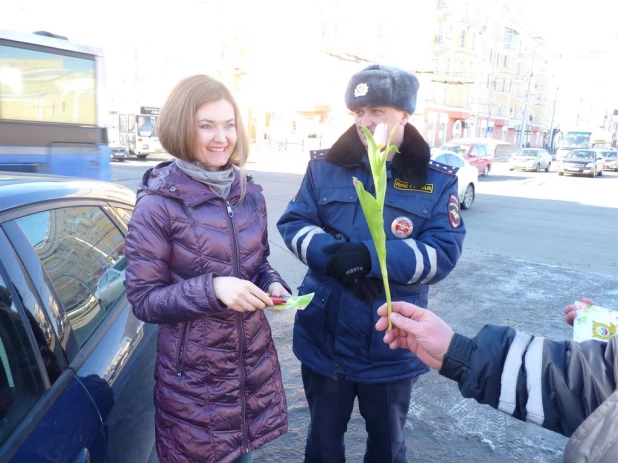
[535, 243]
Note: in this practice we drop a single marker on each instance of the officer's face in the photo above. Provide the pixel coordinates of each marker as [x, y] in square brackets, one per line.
[370, 117]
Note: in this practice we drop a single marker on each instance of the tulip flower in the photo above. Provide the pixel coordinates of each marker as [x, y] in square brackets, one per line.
[373, 208]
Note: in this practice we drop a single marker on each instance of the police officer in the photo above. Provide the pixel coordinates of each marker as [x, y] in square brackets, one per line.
[342, 355]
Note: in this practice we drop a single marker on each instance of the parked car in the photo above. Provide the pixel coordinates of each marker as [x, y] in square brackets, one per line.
[118, 152]
[76, 373]
[586, 162]
[479, 152]
[610, 159]
[531, 159]
[467, 176]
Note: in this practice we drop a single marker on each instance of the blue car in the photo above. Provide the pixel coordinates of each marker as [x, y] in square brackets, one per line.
[76, 366]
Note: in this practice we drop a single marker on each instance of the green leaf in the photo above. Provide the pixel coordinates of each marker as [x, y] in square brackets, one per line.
[374, 216]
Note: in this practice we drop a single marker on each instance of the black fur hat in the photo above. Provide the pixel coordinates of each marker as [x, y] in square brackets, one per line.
[380, 85]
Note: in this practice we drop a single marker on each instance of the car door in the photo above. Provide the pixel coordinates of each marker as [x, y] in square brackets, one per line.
[46, 412]
[110, 350]
[478, 157]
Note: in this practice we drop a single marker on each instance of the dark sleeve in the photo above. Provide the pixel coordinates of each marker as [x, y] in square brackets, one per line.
[556, 385]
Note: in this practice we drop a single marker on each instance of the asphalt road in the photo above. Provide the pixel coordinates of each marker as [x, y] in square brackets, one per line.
[536, 242]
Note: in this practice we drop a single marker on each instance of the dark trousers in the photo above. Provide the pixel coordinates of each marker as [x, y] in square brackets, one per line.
[384, 407]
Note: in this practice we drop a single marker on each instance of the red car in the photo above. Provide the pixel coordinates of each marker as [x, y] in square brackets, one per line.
[479, 152]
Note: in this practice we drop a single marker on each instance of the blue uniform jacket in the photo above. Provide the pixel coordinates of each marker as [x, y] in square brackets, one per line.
[336, 333]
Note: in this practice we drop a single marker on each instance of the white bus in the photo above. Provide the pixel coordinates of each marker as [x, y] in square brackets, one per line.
[137, 131]
[583, 139]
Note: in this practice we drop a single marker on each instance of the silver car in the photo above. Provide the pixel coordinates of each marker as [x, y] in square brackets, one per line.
[611, 160]
[118, 152]
[530, 159]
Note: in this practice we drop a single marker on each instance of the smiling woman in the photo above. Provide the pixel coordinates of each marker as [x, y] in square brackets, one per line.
[198, 267]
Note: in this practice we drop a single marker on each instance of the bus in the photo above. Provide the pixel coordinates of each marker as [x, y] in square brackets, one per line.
[52, 117]
[138, 130]
[584, 139]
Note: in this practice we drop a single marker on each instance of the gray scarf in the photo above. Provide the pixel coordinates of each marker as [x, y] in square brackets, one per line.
[219, 181]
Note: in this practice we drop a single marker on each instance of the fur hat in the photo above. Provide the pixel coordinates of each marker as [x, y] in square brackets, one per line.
[379, 85]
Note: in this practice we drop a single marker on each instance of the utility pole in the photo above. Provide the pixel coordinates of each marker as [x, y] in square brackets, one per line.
[525, 118]
[522, 137]
[551, 126]
[579, 110]
[493, 71]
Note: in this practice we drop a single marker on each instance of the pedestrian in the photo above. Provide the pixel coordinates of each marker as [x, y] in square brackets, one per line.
[568, 387]
[198, 267]
[341, 356]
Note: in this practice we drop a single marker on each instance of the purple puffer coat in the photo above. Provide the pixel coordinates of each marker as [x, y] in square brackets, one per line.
[218, 390]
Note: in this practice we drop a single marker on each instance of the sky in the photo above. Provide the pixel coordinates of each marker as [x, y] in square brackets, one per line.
[582, 34]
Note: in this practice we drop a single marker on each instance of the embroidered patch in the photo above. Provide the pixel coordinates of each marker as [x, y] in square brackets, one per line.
[361, 90]
[453, 212]
[402, 227]
[403, 185]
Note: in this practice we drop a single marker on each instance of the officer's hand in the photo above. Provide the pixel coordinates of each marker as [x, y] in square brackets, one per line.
[349, 263]
[368, 289]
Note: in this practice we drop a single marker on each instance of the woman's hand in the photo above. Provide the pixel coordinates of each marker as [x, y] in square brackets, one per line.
[277, 289]
[240, 295]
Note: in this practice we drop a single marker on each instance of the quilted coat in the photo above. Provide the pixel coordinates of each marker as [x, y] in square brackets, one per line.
[218, 391]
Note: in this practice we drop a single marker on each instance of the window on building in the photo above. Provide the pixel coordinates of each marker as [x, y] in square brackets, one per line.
[497, 59]
[460, 68]
[503, 85]
[82, 251]
[517, 68]
[462, 41]
[448, 65]
[473, 44]
[506, 60]
[511, 39]
[21, 383]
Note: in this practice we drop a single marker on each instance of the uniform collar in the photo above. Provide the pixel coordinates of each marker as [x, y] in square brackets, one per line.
[411, 163]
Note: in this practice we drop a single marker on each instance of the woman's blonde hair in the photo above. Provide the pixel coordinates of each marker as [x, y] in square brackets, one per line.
[178, 120]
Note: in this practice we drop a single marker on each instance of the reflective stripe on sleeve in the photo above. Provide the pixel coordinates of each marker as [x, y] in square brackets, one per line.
[418, 271]
[534, 371]
[306, 242]
[433, 264]
[510, 372]
[302, 232]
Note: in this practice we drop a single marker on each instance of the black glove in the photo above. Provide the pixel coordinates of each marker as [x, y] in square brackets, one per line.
[350, 262]
[368, 289]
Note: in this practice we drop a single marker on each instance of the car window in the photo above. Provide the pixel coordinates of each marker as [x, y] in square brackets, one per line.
[79, 246]
[482, 150]
[455, 161]
[442, 158]
[475, 151]
[21, 383]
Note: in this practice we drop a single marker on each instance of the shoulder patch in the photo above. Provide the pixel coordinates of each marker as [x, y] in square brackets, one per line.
[318, 155]
[444, 168]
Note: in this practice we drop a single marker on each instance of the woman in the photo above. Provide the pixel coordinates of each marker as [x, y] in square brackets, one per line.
[197, 249]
